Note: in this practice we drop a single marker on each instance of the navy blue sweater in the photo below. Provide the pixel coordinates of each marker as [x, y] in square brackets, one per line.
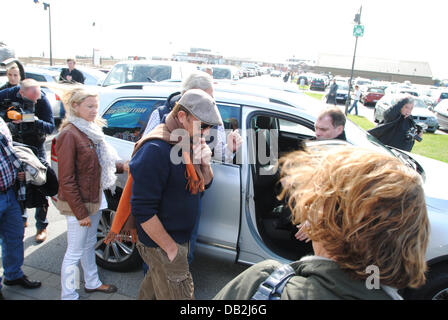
[159, 188]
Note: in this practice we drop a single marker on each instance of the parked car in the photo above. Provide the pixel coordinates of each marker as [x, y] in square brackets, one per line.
[276, 73]
[441, 111]
[318, 84]
[443, 95]
[44, 75]
[92, 76]
[372, 95]
[420, 113]
[148, 71]
[225, 72]
[239, 221]
[341, 93]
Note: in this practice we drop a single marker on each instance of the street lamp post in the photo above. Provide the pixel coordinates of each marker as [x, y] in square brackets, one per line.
[357, 32]
[47, 6]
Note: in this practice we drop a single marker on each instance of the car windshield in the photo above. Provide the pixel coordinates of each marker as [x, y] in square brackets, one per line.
[342, 87]
[376, 90]
[418, 103]
[221, 73]
[125, 73]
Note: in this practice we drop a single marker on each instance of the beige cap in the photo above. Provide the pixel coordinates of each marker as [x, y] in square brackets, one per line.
[202, 106]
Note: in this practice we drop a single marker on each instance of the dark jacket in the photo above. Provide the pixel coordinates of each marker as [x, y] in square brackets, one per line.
[159, 188]
[331, 98]
[77, 75]
[168, 105]
[395, 128]
[315, 279]
[35, 132]
[7, 85]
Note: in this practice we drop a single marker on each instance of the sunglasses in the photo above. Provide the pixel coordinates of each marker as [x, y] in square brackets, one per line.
[205, 126]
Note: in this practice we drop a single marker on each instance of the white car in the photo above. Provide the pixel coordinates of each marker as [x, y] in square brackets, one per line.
[238, 221]
[420, 113]
[441, 111]
[148, 71]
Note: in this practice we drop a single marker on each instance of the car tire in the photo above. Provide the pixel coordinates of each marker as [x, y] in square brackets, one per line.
[117, 256]
[435, 288]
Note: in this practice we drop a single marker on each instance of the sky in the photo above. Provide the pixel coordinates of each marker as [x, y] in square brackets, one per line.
[259, 29]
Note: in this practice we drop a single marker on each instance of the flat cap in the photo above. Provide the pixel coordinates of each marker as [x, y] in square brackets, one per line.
[202, 106]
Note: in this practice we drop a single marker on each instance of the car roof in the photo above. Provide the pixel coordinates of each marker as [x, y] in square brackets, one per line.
[152, 62]
[41, 71]
[271, 99]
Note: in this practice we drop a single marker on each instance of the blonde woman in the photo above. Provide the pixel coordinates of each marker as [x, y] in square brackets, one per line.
[86, 166]
[366, 216]
[13, 74]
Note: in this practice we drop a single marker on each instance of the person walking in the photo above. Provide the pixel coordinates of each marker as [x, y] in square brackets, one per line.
[87, 164]
[166, 193]
[71, 74]
[357, 96]
[331, 98]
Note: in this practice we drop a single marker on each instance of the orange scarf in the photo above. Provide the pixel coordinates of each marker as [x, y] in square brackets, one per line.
[124, 225]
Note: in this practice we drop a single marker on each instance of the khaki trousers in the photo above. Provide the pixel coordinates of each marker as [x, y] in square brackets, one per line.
[166, 280]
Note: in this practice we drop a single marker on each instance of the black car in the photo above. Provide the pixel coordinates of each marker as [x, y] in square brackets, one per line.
[317, 84]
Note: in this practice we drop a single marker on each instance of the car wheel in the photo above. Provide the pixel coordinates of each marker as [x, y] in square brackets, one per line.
[116, 256]
[435, 288]
[431, 131]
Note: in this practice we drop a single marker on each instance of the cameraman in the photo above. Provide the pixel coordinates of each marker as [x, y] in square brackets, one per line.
[32, 133]
[399, 127]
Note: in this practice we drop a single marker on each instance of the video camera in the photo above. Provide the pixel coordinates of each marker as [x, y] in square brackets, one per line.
[12, 111]
[413, 133]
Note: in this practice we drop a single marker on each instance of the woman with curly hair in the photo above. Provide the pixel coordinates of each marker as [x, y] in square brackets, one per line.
[364, 211]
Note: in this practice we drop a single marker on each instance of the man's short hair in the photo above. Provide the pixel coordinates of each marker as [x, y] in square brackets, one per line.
[71, 59]
[27, 83]
[336, 115]
[197, 80]
[12, 67]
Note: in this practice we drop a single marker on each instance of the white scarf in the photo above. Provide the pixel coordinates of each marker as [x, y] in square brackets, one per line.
[107, 156]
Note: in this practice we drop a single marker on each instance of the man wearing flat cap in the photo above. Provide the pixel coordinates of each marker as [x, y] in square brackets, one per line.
[170, 169]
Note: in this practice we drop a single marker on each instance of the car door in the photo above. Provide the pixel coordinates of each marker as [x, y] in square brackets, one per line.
[221, 203]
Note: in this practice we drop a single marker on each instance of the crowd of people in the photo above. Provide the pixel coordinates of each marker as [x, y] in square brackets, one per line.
[344, 200]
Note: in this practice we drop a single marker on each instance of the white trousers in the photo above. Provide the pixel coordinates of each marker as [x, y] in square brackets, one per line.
[80, 247]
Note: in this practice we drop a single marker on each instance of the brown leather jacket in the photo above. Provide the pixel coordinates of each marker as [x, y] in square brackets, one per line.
[79, 171]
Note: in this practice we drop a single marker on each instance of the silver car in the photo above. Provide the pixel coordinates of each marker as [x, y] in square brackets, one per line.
[421, 114]
[240, 219]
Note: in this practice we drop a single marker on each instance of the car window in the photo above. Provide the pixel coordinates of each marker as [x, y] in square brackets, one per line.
[221, 73]
[231, 116]
[444, 95]
[376, 90]
[148, 73]
[127, 119]
[35, 76]
[116, 75]
[293, 127]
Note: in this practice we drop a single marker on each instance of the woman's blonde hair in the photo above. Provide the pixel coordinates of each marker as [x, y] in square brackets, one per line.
[365, 208]
[76, 96]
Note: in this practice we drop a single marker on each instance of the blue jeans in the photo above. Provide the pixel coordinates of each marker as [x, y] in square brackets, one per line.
[355, 105]
[11, 233]
[41, 213]
[193, 238]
